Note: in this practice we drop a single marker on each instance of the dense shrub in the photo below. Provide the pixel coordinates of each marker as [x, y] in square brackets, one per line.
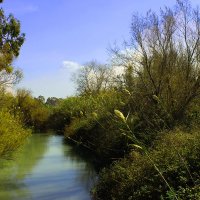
[58, 119]
[7, 100]
[94, 125]
[177, 156]
[102, 136]
[12, 134]
[33, 112]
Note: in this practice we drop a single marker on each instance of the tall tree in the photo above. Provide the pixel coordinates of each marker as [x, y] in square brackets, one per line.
[165, 58]
[11, 40]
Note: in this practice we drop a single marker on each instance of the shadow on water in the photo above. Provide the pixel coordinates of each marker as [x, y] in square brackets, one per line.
[46, 169]
[79, 152]
[12, 173]
[85, 159]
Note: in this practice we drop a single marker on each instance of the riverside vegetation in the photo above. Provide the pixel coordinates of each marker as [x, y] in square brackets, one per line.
[141, 124]
[144, 122]
[21, 112]
[12, 131]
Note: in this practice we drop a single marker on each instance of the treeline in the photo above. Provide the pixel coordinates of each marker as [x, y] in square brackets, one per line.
[140, 113]
[21, 114]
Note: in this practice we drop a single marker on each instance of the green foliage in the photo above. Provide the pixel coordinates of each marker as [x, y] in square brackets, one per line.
[33, 112]
[83, 107]
[7, 100]
[192, 117]
[100, 103]
[189, 193]
[41, 99]
[53, 101]
[176, 155]
[162, 66]
[92, 122]
[10, 40]
[12, 134]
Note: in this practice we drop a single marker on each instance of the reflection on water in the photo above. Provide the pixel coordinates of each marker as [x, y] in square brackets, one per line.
[46, 169]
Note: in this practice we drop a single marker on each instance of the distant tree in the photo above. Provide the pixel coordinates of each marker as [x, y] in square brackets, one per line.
[52, 101]
[33, 112]
[41, 99]
[93, 78]
[21, 95]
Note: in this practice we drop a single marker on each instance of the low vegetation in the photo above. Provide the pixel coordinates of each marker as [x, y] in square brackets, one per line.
[175, 155]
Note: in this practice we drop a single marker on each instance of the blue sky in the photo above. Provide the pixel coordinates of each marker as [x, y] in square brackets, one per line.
[61, 35]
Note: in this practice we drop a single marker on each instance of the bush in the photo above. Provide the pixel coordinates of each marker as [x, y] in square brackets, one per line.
[101, 136]
[177, 156]
[93, 124]
[12, 134]
[58, 119]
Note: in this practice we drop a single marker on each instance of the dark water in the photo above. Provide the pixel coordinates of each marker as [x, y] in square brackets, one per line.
[46, 169]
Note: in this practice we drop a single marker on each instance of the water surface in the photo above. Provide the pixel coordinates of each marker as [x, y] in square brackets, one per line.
[46, 169]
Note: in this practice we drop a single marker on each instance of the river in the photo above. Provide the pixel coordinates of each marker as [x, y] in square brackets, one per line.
[46, 169]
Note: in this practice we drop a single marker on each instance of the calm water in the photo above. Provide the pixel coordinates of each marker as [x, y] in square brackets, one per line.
[46, 169]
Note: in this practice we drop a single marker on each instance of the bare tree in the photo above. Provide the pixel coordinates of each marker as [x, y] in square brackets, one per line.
[93, 78]
[10, 79]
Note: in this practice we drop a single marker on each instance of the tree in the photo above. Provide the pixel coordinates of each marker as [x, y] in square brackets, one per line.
[11, 41]
[93, 78]
[31, 110]
[8, 79]
[165, 57]
[52, 101]
[41, 99]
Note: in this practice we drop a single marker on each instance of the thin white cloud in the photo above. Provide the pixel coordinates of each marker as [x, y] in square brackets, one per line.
[70, 65]
[24, 9]
[30, 8]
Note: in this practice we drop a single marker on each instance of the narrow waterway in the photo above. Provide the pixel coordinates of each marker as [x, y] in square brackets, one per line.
[46, 169]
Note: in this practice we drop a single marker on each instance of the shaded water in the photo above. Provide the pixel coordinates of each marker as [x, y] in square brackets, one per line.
[46, 169]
